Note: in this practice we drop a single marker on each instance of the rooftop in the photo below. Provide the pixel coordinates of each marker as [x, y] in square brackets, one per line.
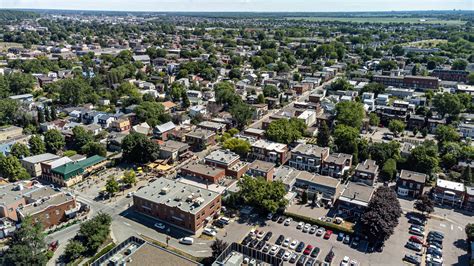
[270, 146]
[202, 169]
[310, 150]
[320, 180]
[358, 193]
[173, 193]
[450, 185]
[414, 176]
[67, 168]
[172, 145]
[40, 158]
[53, 200]
[368, 166]
[262, 166]
[338, 158]
[213, 125]
[13, 192]
[222, 156]
[201, 133]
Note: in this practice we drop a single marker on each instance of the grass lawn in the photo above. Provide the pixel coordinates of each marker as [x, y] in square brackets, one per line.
[382, 20]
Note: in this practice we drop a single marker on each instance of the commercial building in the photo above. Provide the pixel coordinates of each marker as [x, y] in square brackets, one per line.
[308, 157]
[32, 164]
[182, 205]
[408, 82]
[208, 174]
[72, 173]
[410, 184]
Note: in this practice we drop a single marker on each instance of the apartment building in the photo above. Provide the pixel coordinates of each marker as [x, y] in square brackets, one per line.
[336, 164]
[268, 151]
[308, 157]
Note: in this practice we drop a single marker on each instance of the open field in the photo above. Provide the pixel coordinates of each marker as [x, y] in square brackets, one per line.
[382, 20]
[425, 43]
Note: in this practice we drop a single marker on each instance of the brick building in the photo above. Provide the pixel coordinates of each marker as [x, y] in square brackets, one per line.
[261, 168]
[308, 157]
[227, 160]
[204, 172]
[336, 164]
[268, 151]
[410, 184]
[200, 138]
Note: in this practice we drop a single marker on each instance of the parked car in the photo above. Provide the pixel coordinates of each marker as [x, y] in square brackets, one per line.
[347, 239]
[434, 260]
[413, 246]
[280, 253]
[308, 250]
[275, 217]
[417, 221]
[315, 252]
[225, 220]
[266, 248]
[354, 263]
[246, 240]
[329, 257]
[340, 236]
[328, 234]
[281, 219]
[260, 234]
[418, 227]
[209, 231]
[269, 216]
[186, 240]
[280, 240]
[313, 229]
[345, 261]
[300, 247]
[412, 259]
[300, 225]
[274, 250]
[306, 228]
[293, 257]
[260, 245]
[294, 244]
[301, 260]
[267, 236]
[286, 256]
[436, 234]
[434, 251]
[355, 242]
[435, 244]
[416, 232]
[253, 243]
[286, 242]
[320, 231]
[310, 262]
[219, 223]
[288, 221]
[416, 240]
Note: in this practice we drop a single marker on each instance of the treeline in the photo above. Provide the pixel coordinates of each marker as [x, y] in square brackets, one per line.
[9, 15]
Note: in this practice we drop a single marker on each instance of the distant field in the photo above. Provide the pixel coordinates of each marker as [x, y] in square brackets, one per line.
[426, 43]
[382, 20]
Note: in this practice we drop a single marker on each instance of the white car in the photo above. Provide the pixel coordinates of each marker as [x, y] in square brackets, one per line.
[300, 225]
[186, 240]
[260, 234]
[209, 231]
[430, 258]
[286, 242]
[270, 216]
[345, 261]
[294, 244]
[274, 250]
[160, 226]
[313, 229]
[286, 256]
[288, 221]
[306, 228]
[130, 194]
[320, 232]
[354, 263]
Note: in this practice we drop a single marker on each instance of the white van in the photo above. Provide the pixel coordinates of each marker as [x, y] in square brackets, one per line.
[186, 240]
[209, 231]
[225, 219]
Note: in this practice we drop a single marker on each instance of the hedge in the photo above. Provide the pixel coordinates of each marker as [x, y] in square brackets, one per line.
[106, 249]
[327, 225]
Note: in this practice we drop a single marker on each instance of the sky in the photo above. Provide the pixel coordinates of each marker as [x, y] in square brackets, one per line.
[243, 5]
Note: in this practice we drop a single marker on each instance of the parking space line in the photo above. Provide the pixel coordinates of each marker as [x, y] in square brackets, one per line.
[452, 227]
[442, 225]
[460, 228]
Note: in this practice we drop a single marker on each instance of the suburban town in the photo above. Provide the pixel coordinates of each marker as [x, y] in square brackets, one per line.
[147, 138]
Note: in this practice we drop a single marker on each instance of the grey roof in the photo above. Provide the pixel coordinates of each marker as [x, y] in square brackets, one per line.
[310, 150]
[201, 133]
[262, 166]
[413, 176]
[222, 156]
[338, 158]
[54, 200]
[320, 180]
[165, 127]
[40, 158]
[368, 166]
[213, 125]
[358, 193]
[470, 191]
[172, 145]
[13, 192]
[202, 169]
[172, 193]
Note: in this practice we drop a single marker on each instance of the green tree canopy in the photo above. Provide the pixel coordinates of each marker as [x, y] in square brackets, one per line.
[11, 168]
[19, 150]
[324, 135]
[396, 126]
[346, 139]
[267, 196]
[37, 145]
[239, 146]
[54, 141]
[350, 114]
[242, 113]
[286, 130]
[138, 148]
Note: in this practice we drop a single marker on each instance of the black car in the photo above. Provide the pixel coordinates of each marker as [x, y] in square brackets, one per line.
[267, 236]
[293, 258]
[436, 234]
[417, 221]
[246, 240]
[300, 247]
[329, 257]
[281, 219]
[431, 239]
[280, 239]
[412, 259]
[219, 223]
[310, 262]
[260, 245]
[275, 217]
[301, 260]
[280, 253]
[315, 252]
[253, 243]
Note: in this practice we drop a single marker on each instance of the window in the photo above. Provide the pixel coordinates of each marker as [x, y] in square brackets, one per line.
[57, 212]
[47, 216]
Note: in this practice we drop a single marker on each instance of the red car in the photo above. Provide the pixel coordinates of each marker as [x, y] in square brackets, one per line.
[416, 239]
[328, 234]
[308, 250]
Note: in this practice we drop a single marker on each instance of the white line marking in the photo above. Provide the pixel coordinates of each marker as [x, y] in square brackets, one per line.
[460, 228]
[452, 227]
[127, 224]
[442, 225]
[202, 251]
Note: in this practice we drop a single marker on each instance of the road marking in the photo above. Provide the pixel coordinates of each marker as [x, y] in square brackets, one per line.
[442, 225]
[202, 251]
[127, 224]
[452, 227]
[460, 228]
[201, 243]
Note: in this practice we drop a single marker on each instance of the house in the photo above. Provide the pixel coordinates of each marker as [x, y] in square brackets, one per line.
[6, 145]
[10, 132]
[268, 151]
[410, 184]
[121, 124]
[12, 197]
[142, 128]
[73, 172]
[164, 130]
[449, 193]
[200, 138]
[169, 106]
[366, 172]
[145, 59]
[336, 164]
[353, 201]
[466, 130]
[469, 199]
[32, 164]
[105, 120]
[308, 157]
[172, 150]
[323, 189]
[227, 160]
[263, 169]
[218, 128]
[197, 110]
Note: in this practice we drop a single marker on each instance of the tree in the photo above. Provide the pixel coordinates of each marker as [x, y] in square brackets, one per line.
[304, 197]
[261, 99]
[447, 134]
[341, 84]
[382, 215]
[11, 168]
[467, 176]
[242, 113]
[153, 113]
[424, 204]
[41, 118]
[81, 137]
[424, 158]
[374, 119]
[266, 196]
[373, 87]
[19, 150]
[469, 229]
[286, 130]
[239, 146]
[396, 126]
[37, 145]
[470, 78]
[218, 246]
[27, 245]
[73, 250]
[130, 178]
[324, 135]
[350, 114]
[138, 148]
[9, 111]
[346, 138]
[94, 232]
[54, 141]
[75, 91]
[112, 186]
[397, 50]
[459, 64]
[447, 103]
[53, 113]
[94, 148]
[389, 170]
[271, 91]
